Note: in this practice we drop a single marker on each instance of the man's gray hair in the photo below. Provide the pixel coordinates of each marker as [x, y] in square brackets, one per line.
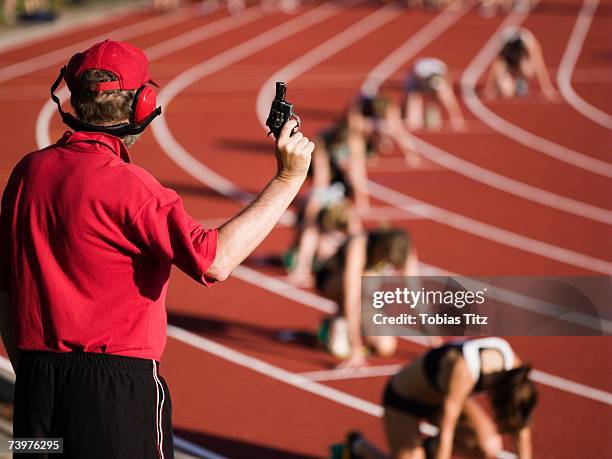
[104, 108]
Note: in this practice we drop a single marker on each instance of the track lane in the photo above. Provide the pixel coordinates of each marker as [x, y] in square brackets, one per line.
[552, 438]
[570, 130]
[448, 190]
[249, 342]
[513, 220]
[244, 414]
[222, 158]
[568, 62]
[53, 41]
[310, 97]
[591, 78]
[258, 336]
[398, 60]
[58, 55]
[566, 180]
[501, 155]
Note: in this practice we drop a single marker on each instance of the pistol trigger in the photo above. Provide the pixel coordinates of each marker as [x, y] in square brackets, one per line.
[299, 122]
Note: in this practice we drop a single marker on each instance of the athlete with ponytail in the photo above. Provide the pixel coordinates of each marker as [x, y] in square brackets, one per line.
[439, 388]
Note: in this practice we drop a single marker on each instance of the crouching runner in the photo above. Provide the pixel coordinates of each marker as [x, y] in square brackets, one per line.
[439, 387]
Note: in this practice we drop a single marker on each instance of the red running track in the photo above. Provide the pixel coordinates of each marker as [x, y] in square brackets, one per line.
[241, 399]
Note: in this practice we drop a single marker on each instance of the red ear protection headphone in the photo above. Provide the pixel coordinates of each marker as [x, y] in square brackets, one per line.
[143, 104]
[143, 110]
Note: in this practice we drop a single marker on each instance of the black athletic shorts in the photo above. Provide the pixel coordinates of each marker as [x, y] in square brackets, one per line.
[103, 406]
[391, 399]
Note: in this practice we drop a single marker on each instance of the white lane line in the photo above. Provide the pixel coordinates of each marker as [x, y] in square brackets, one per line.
[199, 451]
[568, 63]
[122, 33]
[162, 132]
[525, 302]
[322, 304]
[273, 371]
[6, 369]
[162, 49]
[275, 285]
[284, 289]
[204, 32]
[487, 231]
[511, 186]
[338, 374]
[6, 372]
[315, 301]
[468, 86]
[509, 297]
[39, 34]
[546, 379]
[405, 202]
[384, 213]
[412, 46]
[196, 169]
[293, 379]
[322, 52]
[393, 62]
[571, 387]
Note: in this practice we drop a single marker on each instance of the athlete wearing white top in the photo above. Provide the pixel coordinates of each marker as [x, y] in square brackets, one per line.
[429, 66]
[422, 77]
[471, 353]
[439, 387]
[429, 88]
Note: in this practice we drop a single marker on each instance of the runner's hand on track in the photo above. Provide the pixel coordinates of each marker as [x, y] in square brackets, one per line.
[552, 95]
[293, 153]
[356, 360]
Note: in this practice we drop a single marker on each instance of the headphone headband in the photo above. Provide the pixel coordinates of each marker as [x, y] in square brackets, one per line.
[118, 130]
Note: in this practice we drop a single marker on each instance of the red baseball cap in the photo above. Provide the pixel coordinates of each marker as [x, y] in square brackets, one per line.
[127, 62]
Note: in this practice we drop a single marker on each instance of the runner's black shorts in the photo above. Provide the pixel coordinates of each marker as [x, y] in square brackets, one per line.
[103, 406]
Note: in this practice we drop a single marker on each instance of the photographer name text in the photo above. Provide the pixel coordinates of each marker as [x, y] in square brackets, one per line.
[430, 319]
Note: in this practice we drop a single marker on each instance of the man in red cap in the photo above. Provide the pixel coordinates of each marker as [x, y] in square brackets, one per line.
[87, 240]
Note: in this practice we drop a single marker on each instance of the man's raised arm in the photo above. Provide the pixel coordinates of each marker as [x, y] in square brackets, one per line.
[243, 233]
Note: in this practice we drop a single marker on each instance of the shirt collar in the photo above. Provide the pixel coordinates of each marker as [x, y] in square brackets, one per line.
[97, 141]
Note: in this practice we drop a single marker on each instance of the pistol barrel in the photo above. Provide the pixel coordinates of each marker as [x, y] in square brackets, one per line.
[281, 90]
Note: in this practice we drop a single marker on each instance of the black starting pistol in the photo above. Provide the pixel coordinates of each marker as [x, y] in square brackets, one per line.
[281, 111]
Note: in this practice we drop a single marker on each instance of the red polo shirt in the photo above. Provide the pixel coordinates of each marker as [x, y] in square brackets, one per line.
[87, 240]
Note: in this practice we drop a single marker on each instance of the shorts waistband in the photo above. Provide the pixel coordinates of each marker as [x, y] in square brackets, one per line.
[93, 359]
